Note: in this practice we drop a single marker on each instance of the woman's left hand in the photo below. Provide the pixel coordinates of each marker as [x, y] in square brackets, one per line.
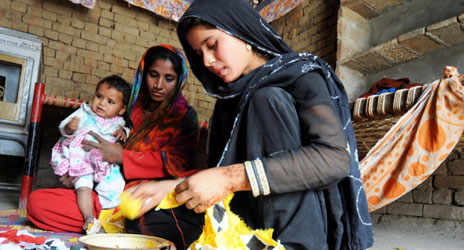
[111, 152]
[152, 192]
[210, 186]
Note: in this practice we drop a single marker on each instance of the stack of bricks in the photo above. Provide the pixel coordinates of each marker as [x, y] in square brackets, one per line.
[412, 45]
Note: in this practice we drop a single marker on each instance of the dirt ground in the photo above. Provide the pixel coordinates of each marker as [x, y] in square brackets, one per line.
[410, 233]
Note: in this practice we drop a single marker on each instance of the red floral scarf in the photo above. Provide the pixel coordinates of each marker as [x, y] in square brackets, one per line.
[172, 128]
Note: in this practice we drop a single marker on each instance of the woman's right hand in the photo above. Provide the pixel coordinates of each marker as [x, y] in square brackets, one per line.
[152, 193]
[209, 186]
[68, 181]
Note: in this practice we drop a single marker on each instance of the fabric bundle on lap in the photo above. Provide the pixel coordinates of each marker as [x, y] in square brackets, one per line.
[225, 230]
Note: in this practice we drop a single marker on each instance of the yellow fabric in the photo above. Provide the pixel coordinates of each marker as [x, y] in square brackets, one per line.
[169, 201]
[417, 144]
[129, 206]
[111, 221]
[231, 236]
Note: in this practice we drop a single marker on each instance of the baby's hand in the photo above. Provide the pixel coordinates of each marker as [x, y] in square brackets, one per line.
[71, 126]
[92, 225]
[120, 134]
[88, 223]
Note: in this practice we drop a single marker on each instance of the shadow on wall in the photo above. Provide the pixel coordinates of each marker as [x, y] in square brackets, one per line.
[49, 135]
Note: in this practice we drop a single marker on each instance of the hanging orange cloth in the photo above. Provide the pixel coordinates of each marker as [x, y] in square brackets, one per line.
[416, 145]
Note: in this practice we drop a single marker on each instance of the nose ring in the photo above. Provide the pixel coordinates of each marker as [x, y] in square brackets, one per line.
[211, 60]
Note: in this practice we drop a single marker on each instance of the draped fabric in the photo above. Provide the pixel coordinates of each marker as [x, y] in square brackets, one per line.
[173, 9]
[68, 155]
[320, 156]
[172, 128]
[418, 142]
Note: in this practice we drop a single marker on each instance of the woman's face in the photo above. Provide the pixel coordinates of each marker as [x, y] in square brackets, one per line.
[161, 79]
[224, 55]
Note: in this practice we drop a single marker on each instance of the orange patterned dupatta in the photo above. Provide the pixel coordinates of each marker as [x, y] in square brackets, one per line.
[416, 145]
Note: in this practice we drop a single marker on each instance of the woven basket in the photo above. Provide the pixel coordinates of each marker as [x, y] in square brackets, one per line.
[375, 115]
[369, 131]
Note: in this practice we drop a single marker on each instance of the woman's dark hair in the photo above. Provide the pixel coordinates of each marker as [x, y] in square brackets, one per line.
[151, 56]
[118, 83]
[190, 22]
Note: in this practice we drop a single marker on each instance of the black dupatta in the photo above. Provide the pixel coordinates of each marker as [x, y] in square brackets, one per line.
[238, 18]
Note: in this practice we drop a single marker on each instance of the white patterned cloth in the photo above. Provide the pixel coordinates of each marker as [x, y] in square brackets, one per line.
[109, 189]
[49, 244]
[68, 155]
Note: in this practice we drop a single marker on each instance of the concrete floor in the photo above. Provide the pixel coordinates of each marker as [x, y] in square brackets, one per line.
[410, 233]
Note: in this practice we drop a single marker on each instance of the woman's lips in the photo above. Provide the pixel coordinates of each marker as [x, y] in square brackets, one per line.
[219, 72]
[157, 94]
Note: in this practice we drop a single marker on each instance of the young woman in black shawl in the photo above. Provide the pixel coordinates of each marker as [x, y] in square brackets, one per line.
[281, 135]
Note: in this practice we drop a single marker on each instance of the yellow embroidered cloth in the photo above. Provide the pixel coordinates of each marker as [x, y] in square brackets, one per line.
[223, 229]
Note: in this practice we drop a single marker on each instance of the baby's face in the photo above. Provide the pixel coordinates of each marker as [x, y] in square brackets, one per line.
[108, 102]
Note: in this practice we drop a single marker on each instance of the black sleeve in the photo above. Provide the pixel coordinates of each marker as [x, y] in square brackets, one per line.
[323, 159]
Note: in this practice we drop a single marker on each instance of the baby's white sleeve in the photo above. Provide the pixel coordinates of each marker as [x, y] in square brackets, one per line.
[63, 123]
[127, 130]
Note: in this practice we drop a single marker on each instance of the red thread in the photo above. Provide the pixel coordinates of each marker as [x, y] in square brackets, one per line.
[178, 227]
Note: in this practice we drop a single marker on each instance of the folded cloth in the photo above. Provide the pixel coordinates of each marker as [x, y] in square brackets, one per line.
[390, 90]
[387, 83]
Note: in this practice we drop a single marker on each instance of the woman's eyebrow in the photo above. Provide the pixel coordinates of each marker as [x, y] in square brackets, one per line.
[198, 51]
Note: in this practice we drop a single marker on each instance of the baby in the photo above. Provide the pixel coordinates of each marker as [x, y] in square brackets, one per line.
[104, 117]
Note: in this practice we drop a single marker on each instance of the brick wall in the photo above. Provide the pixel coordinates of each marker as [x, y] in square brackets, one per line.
[82, 45]
[311, 27]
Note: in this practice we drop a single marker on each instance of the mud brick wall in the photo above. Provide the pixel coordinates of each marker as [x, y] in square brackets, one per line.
[80, 46]
[311, 27]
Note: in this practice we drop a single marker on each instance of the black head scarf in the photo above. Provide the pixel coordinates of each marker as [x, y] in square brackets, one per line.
[238, 18]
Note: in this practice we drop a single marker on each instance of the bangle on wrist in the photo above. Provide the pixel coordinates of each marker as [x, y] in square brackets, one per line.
[257, 177]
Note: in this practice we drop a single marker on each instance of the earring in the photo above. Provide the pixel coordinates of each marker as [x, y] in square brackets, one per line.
[248, 47]
[211, 60]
